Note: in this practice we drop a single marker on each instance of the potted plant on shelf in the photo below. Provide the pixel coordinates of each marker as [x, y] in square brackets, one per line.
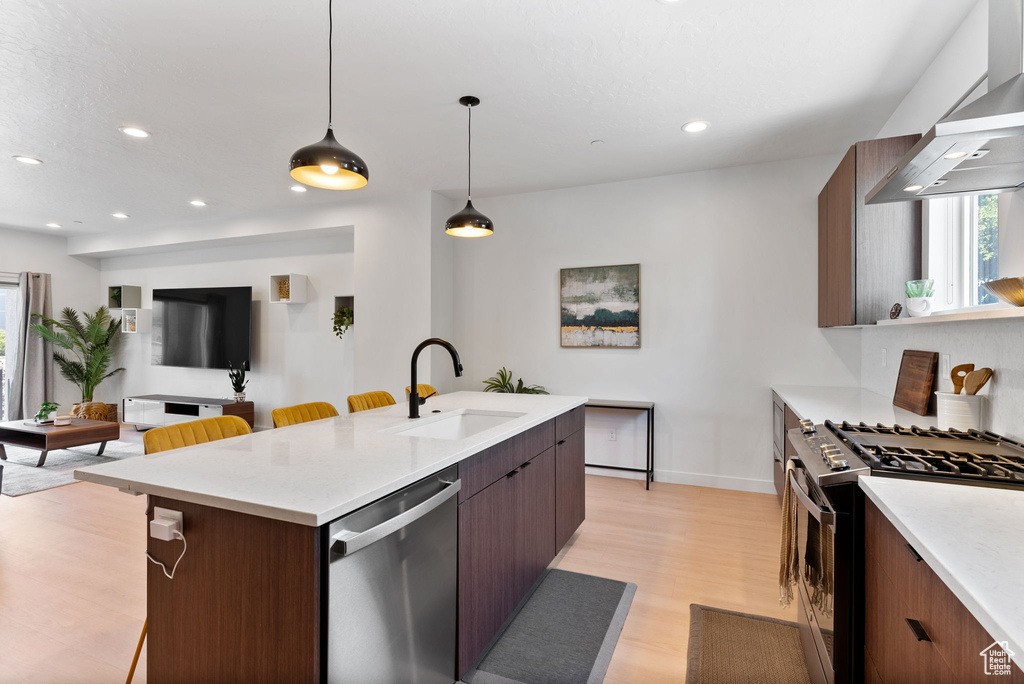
[342, 320]
[238, 381]
[502, 382]
[46, 413]
[87, 346]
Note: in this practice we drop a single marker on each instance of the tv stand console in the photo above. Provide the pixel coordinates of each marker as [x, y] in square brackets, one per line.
[157, 410]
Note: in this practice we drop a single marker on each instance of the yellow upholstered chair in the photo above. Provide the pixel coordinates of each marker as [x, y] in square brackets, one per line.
[194, 432]
[370, 400]
[303, 413]
[423, 390]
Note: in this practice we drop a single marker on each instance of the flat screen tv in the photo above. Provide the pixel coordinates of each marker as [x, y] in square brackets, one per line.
[202, 327]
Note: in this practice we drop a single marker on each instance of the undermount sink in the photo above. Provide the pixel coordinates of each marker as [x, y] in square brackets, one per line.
[455, 425]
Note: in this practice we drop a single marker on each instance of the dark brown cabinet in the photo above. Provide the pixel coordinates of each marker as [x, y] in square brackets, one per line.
[784, 419]
[486, 562]
[571, 486]
[905, 600]
[515, 493]
[534, 525]
[865, 253]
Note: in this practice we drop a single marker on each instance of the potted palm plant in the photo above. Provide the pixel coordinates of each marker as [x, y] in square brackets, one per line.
[86, 346]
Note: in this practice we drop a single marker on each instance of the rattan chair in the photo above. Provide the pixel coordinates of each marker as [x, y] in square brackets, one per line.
[369, 400]
[302, 413]
[194, 432]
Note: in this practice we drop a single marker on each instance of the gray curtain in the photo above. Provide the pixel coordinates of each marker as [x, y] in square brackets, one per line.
[32, 366]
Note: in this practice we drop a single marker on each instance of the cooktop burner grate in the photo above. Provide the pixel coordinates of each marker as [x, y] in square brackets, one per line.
[967, 456]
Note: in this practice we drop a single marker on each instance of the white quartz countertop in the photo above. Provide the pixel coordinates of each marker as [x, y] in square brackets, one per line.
[971, 538]
[315, 472]
[847, 403]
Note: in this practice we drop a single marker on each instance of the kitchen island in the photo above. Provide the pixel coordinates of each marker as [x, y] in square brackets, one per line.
[249, 600]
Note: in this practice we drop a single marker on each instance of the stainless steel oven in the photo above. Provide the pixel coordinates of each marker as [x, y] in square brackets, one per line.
[828, 535]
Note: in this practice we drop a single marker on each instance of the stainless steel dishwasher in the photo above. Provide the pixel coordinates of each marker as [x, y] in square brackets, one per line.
[391, 595]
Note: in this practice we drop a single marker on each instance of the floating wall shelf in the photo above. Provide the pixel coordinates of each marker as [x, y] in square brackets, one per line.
[350, 302]
[131, 297]
[293, 287]
[134, 321]
[976, 315]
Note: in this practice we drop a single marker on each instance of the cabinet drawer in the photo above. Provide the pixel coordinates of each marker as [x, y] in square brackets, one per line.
[956, 637]
[569, 422]
[492, 464]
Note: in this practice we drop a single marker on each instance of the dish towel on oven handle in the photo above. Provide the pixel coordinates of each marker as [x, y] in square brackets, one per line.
[818, 566]
[789, 567]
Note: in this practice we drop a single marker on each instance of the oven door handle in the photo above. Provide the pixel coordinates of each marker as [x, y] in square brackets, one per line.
[817, 512]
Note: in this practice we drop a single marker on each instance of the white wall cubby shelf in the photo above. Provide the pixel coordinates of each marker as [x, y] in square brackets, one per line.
[135, 321]
[294, 286]
[124, 297]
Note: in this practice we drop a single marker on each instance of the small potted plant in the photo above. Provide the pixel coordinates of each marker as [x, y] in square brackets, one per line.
[342, 320]
[46, 413]
[919, 297]
[238, 381]
[502, 382]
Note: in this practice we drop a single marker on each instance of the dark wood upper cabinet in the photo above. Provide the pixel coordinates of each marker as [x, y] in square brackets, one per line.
[865, 253]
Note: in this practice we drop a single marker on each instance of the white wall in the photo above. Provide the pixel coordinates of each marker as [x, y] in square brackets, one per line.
[729, 306]
[74, 282]
[962, 61]
[296, 356]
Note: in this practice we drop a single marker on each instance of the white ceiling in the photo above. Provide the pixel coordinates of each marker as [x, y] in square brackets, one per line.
[230, 88]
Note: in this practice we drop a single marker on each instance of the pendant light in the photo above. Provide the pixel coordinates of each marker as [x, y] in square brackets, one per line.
[469, 222]
[328, 164]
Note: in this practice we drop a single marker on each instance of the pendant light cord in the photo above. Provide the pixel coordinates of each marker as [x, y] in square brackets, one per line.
[330, 63]
[469, 165]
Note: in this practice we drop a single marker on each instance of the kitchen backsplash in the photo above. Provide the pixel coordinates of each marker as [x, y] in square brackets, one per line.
[996, 344]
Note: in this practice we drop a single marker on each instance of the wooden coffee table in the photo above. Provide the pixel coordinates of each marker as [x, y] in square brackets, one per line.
[48, 437]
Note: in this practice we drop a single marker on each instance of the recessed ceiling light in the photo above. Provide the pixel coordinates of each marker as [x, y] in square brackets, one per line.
[913, 188]
[198, 203]
[120, 215]
[696, 126]
[53, 225]
[28, 160]
[597, 142]
[955, 155]
[298, 188]
[134, 131]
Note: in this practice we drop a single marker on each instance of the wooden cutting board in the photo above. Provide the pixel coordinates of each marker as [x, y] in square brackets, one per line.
[916, 380]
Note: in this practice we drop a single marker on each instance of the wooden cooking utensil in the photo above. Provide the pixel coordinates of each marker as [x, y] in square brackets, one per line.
[914, 384]
[958, 375]
[975, 380]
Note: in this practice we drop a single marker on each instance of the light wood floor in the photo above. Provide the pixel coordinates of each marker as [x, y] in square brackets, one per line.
[72, 574]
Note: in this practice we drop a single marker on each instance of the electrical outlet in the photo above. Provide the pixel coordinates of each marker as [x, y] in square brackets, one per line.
[611, 436]
[165, 522]
[884, 364]
[944, 368]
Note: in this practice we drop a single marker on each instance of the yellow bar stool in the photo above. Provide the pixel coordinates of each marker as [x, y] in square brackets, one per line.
[423, 390]
[302, 413]
[194, 432]
[369, 400]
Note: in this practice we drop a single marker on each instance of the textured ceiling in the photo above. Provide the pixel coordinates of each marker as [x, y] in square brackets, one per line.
[230, 88]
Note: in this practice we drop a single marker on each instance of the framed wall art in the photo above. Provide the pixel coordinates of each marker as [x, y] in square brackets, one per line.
[601, 306]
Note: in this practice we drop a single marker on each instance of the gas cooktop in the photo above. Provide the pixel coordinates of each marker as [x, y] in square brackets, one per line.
[969, 457]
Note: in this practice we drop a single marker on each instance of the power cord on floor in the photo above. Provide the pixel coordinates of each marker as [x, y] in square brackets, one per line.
[170, 575]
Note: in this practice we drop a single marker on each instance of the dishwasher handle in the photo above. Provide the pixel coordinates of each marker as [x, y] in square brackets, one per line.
[347, 542]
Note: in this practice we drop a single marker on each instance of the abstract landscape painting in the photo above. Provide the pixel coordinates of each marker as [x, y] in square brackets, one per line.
[601, 306]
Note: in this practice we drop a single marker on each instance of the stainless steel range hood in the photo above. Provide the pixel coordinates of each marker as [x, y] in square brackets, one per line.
[980, 147]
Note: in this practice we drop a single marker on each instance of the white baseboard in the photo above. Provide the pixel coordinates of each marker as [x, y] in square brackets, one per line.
[741, 484]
